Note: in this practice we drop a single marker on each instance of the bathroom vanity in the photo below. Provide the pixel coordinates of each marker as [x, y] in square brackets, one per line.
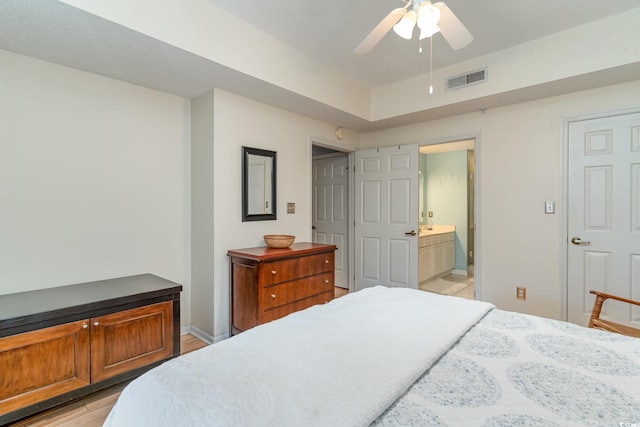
[436, 251]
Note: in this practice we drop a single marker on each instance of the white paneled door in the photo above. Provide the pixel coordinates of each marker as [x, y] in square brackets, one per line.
[604, 216]
[330, 211]
[386, 217]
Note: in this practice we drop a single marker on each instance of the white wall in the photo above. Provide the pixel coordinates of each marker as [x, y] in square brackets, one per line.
[243, 122]
[202, 202]
[520, 165]
[92, 179]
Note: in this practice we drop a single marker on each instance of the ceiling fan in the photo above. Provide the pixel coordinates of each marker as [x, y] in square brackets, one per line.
[429, 17]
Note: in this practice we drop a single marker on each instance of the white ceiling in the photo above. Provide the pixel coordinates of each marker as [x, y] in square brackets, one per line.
[325, 30]
[329, 30]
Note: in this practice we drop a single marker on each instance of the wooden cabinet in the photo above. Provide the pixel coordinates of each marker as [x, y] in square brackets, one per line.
[59, 344]
[267, 284]
[40, 364]
[126, 340]
[436, 255]
[425, 264]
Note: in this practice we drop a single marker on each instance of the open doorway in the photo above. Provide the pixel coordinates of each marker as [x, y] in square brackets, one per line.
[446, 255]
[330, 208]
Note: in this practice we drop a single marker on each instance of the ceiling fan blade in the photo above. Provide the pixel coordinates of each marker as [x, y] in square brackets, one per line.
[454, 32]
[380, 31]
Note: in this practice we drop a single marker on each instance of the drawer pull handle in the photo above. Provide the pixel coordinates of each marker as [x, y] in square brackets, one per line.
[273, 296]
[326, 261]
[96, 323]
[326, 280]
[85, 326]
[273, 272]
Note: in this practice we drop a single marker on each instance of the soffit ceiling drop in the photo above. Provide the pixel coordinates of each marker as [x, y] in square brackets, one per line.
[326, 31]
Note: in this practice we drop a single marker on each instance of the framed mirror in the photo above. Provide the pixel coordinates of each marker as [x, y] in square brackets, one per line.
[258, 184]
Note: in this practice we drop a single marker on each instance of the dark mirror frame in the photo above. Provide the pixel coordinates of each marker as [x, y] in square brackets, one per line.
[246, 151]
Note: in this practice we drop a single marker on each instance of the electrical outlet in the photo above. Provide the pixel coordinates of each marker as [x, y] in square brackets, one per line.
[430, 214]
[291, 208]
[521, 293]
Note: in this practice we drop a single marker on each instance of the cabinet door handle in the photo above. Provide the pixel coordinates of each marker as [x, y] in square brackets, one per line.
[85, 326]
[96, 323]
[273, 272]
[273, 296]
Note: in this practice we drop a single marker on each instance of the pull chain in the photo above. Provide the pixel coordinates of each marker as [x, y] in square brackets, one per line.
[431, 65]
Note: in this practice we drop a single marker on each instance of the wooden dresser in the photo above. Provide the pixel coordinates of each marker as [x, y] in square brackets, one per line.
[59, 344]
[267, 284]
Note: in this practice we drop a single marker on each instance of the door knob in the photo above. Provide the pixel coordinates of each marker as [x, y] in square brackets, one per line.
[577, 241]
[410, 233]
[313, 227]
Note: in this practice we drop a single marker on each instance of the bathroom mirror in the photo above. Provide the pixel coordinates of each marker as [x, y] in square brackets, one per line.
[258, 184]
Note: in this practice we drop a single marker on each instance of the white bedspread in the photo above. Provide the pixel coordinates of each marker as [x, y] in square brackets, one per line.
[518, 370]
[343, 363]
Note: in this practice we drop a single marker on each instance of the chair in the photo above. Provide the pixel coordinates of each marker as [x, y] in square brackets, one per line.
[607, 325]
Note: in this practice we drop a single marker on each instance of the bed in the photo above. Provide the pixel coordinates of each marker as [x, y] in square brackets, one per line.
[396, 357]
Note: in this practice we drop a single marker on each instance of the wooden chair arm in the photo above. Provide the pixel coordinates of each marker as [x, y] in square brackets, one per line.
[607, 296]
[607, 325]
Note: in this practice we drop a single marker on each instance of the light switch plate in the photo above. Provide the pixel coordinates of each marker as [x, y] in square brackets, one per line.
[549, 207]
[291, 208]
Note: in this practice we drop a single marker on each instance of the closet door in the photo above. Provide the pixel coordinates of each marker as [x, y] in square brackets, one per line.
[603, 249]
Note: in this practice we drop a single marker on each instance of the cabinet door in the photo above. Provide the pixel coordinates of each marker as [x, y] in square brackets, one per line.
[430, 268]
[424, 263]
[130, 339]
[438, 258]
[449, 256]
[41, 364]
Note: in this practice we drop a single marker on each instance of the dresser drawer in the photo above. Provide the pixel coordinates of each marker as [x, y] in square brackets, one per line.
[295, 268]
[268, 283]
[295, 290]
[285, 310]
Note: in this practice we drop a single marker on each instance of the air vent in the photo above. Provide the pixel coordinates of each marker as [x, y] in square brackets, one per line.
[467, 79]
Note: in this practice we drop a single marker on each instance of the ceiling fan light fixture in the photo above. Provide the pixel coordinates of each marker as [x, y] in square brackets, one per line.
[428, 17]
[428, 31]
[404, 28]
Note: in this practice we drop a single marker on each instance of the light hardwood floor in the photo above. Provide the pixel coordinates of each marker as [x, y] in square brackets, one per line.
[338, 292]
[92, 410]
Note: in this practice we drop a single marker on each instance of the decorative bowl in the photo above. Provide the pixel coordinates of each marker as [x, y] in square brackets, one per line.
[278, 241]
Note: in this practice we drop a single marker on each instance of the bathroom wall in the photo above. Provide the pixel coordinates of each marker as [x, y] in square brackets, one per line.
[446, 197]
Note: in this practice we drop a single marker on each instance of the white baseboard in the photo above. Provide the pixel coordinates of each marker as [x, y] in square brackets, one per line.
[460, 272]
[198, 333]
[220, 338]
